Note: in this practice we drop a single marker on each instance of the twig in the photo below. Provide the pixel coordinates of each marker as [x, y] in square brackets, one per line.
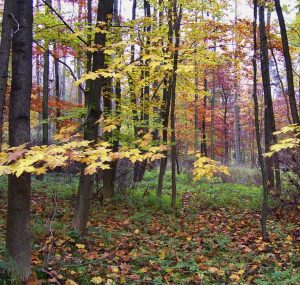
[62, 62]
[15, 20]
[65, 23]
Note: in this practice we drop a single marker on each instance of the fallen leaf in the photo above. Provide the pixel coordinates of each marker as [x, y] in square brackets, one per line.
[213, 270]
[96, 280]
[70, 282]
[234, 277]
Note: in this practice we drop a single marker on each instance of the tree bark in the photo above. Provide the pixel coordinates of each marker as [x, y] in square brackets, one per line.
[18, 212]
[288, 63]
[176, 27]
[203, 125]
[45, 100]
[93, 97]
[5, 46]
[109, 175]
[140, 167]
[57, 91]
[269, 121]
[165, 113]
[212, 114]
[196, 108]
[264, 211]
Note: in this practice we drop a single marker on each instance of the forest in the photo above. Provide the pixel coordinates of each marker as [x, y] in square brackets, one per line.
[150, 142]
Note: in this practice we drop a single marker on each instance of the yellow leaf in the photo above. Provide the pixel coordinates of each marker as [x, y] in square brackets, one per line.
[4, 170]
[144, 269]
[80, 246]
[109, 129]
[96, 280]
[162, 255]
[115, 269]
[234, 277]
[40, 170]
[70, 282]
[213, 270]
[241, 272]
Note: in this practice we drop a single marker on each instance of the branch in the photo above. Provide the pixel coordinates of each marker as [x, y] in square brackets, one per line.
[62, 62]
[65, 23]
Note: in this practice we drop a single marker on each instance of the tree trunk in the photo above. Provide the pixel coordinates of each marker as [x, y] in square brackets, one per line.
[226, 148]
[264, 211]
[45, 106]
[45, 100]
[212, 114]
[237, 148]
[18, 212]
[176, 27]
[165, 112]
[4, 58]
[140, 167]
[288, 63]
[269, 122]
[109, 175]
[78, 63]
[94, 94]
[57, 91]
[203, 140]
[63, 81]
[196, 108]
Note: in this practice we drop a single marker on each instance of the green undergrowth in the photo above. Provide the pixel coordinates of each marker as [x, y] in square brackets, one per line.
[138, 239]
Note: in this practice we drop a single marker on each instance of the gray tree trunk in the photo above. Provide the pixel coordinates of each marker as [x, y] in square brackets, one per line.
[18, 212]
[5, 46]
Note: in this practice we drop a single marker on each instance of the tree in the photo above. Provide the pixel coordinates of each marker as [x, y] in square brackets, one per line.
[91, 128]
[288, 64]
[269, 121]
[177, 14]
[18, 214]
[257, 128]
[5, 46]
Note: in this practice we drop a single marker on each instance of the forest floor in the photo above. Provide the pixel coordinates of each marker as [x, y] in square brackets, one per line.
[138, 239]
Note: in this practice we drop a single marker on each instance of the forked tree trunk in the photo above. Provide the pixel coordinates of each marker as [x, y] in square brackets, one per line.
[4, 58]
[18, 212]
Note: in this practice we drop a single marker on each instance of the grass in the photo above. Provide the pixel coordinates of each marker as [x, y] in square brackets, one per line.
[138, 239]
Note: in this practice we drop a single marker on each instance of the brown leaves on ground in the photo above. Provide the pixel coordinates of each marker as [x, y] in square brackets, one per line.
[129, 246]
